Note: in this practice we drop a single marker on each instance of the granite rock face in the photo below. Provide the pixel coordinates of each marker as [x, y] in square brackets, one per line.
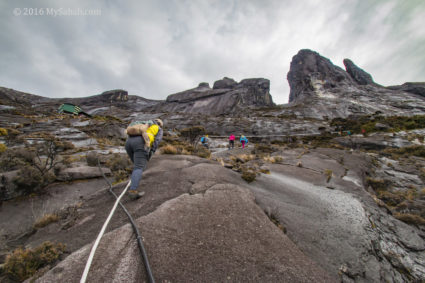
[358, 74]
[416, 88]
[322, 90]
[225, 97]
[308, 66]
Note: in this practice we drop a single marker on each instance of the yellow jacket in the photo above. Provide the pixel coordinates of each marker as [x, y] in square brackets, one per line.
[152, 131]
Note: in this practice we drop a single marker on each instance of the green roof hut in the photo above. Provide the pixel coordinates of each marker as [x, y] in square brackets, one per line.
[72, 109]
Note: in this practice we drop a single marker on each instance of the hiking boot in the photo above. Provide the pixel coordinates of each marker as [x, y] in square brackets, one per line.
[133, 194]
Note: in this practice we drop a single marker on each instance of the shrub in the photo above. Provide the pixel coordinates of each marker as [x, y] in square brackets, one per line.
[273, 159]
[24, 263]
[263, 148]
[203, 152]
[120, 166]
[91, 158]
[193, 133]
[368, 122]
[119, 162]
[242, 158]
[29, 180]
[169, 149]
[378, 184]
[248, 175]
[3, 132]
[410, 218]
[391, 199]
[2, 148]
[45, 220]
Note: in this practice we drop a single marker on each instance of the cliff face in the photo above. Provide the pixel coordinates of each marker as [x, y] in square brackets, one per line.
[320, 89]
[226, 96]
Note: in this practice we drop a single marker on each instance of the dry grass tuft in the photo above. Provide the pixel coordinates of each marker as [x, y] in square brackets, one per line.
[410, 218]
[45, 220]
[273, 159]
[169, 149]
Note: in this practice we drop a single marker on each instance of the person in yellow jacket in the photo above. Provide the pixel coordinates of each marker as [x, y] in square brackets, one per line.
[140, 152]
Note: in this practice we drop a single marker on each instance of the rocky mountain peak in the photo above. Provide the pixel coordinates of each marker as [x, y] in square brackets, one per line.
[358, 74]
[321, 90]
[307, 67]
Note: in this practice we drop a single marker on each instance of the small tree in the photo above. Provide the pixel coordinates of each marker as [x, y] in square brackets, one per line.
[192, 134]
[48, 151]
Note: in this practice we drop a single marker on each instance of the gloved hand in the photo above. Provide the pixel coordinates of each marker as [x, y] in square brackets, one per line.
[151, 152]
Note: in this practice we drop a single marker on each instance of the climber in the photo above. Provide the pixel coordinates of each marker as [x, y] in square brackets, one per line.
[141, 154]
[231, 141]
[204, 141]
[243, 141]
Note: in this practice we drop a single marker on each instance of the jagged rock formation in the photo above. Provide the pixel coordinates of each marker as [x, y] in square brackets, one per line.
[358, 74]
[306, 68]
[416, 88]
[226, 96]
[321, 90]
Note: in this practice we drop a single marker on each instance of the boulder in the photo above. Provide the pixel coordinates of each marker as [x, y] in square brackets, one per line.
[227, 96]
[83, 172]
[203, 84]
[225, 83]
[358, 74]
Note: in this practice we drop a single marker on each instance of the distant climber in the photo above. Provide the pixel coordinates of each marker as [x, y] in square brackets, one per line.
[140, 147]
[243, 141]
[205, 141]
[232, 141]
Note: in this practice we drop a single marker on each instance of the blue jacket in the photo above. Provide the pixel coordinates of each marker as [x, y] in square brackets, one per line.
[243, 139]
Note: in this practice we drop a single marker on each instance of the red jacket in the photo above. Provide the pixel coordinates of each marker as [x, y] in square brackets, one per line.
[231, 138]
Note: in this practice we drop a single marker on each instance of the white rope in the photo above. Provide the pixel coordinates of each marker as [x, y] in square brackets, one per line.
[93, 250]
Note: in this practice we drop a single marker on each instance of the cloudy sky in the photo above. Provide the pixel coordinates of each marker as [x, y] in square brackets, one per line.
[155, 48]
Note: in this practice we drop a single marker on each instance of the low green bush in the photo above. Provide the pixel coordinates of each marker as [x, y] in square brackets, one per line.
[24, 263]
[30, 179]
[120, 165]
[248, 175]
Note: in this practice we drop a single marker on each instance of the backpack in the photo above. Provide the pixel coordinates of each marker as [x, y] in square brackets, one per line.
[139, 128]
[202, 139]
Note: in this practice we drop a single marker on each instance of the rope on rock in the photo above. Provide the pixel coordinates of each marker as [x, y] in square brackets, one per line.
[135, 229]
[102, 231]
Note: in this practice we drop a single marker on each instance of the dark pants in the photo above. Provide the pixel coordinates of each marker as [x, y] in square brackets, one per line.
[231, 143]
[135, 147]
